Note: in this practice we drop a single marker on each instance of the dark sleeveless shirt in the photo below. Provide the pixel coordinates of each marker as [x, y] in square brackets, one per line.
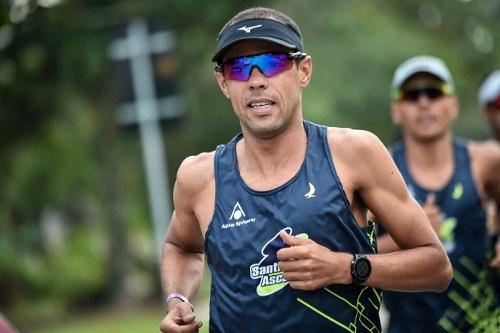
[465, 240]
[248, 292]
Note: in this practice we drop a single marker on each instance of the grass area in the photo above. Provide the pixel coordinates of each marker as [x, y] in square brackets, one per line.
[143, 320]
[106, 320]
[123, 321]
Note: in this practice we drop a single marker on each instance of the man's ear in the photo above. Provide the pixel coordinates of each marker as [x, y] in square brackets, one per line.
[305, 71]
[222, 84]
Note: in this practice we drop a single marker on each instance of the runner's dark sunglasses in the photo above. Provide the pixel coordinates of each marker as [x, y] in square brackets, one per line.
[269, 64]
[432, 93]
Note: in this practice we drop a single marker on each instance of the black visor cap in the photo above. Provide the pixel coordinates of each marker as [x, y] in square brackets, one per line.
[258, 29]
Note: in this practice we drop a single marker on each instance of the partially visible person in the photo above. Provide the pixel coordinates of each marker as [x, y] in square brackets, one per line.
[451, 178]
[280, 210]
[6, 326]
[489, 101]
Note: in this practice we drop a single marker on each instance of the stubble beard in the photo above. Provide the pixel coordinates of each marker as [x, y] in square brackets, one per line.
[265, 131]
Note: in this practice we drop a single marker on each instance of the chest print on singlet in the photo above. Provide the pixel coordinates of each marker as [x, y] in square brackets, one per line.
[267, 270]
[312, 192]
[237, 218]
[447, 230]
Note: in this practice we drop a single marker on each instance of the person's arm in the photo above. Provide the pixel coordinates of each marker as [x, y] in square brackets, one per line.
[385, 194]
[386, 244]
[369, 169]
[183, 258]
[489, 156]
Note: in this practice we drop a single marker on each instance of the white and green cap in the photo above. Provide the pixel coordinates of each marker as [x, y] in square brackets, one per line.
[421, 64]
[490, 89]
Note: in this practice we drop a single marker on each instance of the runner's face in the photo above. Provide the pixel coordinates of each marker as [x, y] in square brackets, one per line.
[427, 118]
[265, 105]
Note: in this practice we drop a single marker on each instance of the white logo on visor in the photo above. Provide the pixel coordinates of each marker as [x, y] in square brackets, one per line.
[248, 29]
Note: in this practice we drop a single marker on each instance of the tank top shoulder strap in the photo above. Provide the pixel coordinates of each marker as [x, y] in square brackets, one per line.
[225, 169]
[461, 151]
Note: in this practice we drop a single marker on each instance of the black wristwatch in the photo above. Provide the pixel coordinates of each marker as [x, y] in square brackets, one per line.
[360, 269]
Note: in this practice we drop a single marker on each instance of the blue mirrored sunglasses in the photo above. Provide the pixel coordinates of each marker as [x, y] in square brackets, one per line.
[269, 64]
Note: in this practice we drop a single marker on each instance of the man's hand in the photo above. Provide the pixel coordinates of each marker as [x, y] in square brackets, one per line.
[433, 212]
[309, 266]
[181, 319]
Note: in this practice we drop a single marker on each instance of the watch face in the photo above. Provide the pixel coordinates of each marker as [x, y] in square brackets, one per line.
[363, 268]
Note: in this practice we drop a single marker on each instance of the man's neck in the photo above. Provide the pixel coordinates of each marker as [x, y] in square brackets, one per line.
[268, 163]
[430, 162]
[429, 153]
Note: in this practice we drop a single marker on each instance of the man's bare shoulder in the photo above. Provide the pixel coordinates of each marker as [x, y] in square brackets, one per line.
[484, 146]
[485, 157]
[487, 151]
[354, 143]
[196, 172]
[360, 158]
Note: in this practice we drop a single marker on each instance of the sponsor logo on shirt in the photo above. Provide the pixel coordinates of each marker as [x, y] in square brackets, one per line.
[267, 270]
[237, 218]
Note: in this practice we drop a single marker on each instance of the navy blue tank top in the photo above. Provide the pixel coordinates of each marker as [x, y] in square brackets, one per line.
[249, 293]
[464, 237]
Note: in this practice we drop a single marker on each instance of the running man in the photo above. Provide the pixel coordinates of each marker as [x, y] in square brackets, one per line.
[451, 178]
[280, 212]
[489, 102]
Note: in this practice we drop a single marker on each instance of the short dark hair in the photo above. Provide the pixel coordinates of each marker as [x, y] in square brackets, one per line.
[262, 13]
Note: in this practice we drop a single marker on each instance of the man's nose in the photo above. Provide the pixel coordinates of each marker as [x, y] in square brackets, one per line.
[257, 80]
[423, 100]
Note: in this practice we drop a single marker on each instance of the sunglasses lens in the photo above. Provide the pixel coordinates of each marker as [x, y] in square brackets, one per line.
[414, 94]
[272, 64]
[236, 70]
[269, 64]
[411, 95]
[433, 93]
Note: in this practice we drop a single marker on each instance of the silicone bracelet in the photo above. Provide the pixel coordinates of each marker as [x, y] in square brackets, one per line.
[180, 297]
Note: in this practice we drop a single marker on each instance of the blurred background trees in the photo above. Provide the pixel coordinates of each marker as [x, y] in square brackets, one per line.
[75, 226]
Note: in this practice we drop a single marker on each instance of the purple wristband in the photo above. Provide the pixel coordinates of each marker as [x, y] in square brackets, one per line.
[179, 296]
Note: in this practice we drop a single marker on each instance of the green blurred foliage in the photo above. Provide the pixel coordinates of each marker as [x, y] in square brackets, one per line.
[123, 321]
[61, 149]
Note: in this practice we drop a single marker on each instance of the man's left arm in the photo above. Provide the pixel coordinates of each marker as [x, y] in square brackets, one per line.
[308, 265]
[385, 194]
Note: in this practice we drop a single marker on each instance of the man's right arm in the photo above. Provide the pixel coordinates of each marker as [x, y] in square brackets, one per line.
[183, 258]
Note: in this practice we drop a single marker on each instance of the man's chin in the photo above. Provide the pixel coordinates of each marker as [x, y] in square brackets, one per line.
[430, 137]
[266, 131]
